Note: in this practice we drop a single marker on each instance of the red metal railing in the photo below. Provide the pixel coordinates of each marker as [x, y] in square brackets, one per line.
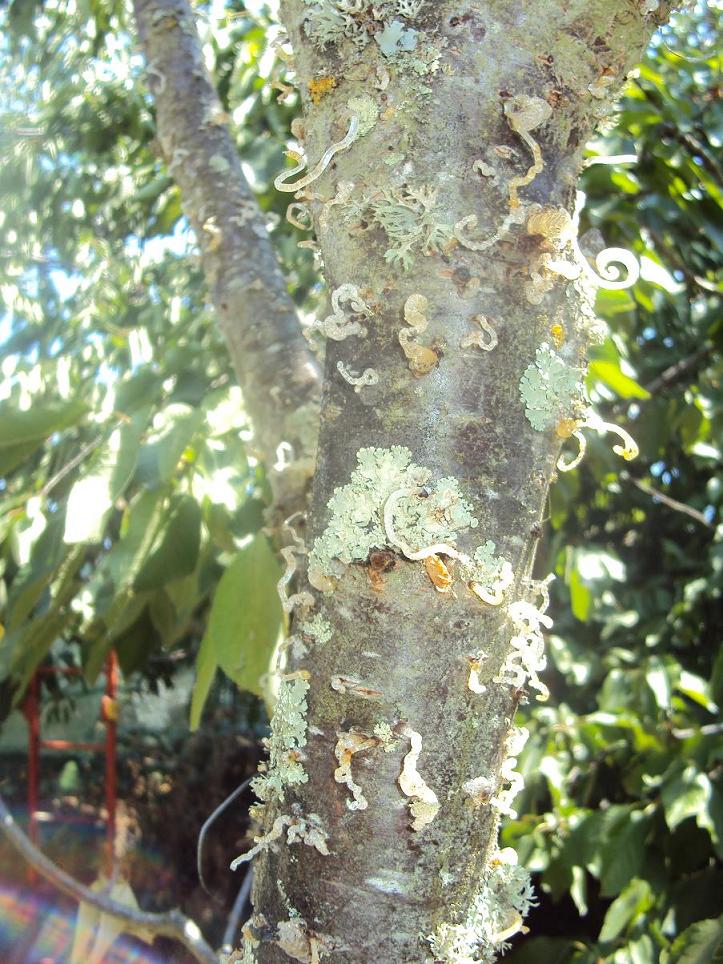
[109, 716]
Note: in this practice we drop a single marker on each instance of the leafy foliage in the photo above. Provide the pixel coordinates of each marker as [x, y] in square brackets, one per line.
[126, 465]
[623, 806]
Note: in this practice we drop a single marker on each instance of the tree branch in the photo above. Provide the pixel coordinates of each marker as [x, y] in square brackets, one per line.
[276, 370]
[667, 500]
[173, 924]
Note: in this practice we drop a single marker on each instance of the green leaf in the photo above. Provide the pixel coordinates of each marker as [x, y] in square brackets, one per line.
[635, 900]
[687, 795]
[172, 445]
[92, 498]
[580, 597]
[245, 616]
[623, 848]
[37, 423]
[13, 455]
[177, 552]
[206, 667]
[623, 385]
[701, 943]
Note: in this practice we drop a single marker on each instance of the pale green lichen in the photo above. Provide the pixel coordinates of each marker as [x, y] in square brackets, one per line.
[288, 737]
[411, 221]
[366, 109]
[496, 914]
[395, 38]
[335, 21]
[384, 733]
[356, 524]
[549, 388]
[319, 628]
[491, 574]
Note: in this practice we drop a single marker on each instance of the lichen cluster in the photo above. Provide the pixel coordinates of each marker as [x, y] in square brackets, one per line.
[410, 218]
[497, 913]
[549, 388]
[356, 523]
[288, 737]
[360, 21]
[318, 628]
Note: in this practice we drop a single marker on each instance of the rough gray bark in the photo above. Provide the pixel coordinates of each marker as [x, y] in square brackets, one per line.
[432, 103]
[277, 372]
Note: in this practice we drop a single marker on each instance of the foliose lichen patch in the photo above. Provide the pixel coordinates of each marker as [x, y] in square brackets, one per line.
[356, 510]
[549, 388]
[496, 914]
[288, 737]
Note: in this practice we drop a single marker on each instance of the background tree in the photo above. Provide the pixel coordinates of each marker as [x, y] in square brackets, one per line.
[170, 496]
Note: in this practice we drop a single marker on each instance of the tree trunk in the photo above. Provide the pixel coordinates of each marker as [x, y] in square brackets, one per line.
[391, 747]
[276, 370]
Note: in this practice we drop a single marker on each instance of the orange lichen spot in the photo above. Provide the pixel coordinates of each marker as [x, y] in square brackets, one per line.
[557, 333]
[319, 87]
[565, 427]
[438, 573]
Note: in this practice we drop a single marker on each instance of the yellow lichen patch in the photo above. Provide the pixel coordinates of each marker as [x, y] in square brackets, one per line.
[319, 87]
[558, 334]
[566, 427]
[350, 742]
[438, 573]
[425, 805]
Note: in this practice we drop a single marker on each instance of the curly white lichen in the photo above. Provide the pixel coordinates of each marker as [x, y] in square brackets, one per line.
[511, 781]
[526, 658]
[590, 419]
[485, 338]
[337, 325]
[368, 377]
[420, 358]
[349, 743]
[549, 388]
[424, 805]
[281, 183]
[488, 574]
[496, 914]
[287, 739]
[560, 254]
[299, 829]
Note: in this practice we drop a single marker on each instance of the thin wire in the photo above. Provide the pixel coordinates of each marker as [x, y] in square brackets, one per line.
[208, 823]
[232, 927]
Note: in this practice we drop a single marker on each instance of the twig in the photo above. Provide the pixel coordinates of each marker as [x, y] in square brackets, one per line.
[667, 500]
[675, 372]
[207, 825]
[173, 924]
